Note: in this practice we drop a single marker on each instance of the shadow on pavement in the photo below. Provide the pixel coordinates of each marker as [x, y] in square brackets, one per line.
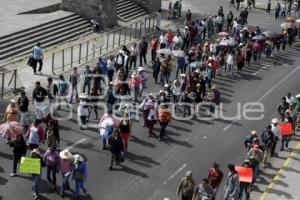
[143, 161]
[131, 171]
[143, 142]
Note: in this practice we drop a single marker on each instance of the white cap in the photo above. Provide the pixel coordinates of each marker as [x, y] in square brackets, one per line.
[12, 101]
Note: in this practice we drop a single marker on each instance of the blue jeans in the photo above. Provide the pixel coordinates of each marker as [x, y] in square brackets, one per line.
[74, 90]
[79, 185]
[36, 181]
[65, 182]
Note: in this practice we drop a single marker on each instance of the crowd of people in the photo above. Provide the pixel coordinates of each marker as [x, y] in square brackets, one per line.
[184, 64]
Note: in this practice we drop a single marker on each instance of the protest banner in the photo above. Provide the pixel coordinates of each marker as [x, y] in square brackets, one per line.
[286, 129]
[30, 165]
[246, 174]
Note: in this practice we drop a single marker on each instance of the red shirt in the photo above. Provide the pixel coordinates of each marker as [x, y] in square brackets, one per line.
[154, 43]
[170, 36]
[215, 177]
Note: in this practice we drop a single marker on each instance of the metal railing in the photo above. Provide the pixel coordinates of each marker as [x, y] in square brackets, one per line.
[79, 54]
[9, 82]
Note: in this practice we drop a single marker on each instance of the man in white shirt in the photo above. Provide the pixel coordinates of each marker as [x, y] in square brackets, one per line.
[275, 129]
[290, 99]
[177, 41]
[230, 64]
[163, 40]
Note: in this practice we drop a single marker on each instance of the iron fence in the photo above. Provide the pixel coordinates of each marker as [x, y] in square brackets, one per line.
[9, 82]
[79, 54]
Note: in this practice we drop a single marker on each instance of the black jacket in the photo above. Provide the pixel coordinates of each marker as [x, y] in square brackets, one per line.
[19, 148]
[116, 144]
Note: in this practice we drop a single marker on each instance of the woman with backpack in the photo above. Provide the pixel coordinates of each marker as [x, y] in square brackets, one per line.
[79, 175]
[51, 159]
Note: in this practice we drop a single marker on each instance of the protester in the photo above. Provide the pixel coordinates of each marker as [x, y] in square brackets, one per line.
[232, 187]
[164, 118]
[19, 149]
[39, 95]
[79, 175]
[107, 125]
[66, 167]
[52, 133]
[74, 81]
[245, 186]
[215, 176]
[268, 139]
[63, 87]
[125, 129]
[36, 178]
[52, 91]
[186, 187]
[116, 148]
[87, 80]
[35, 135]
[51, 159]
[23, 104]
[143, 49]
[11, 112]
[204, 191]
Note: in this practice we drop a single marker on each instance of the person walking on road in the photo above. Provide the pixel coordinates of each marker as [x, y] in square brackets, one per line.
[245, 186]
[66, 167]
[23, 103]
[283, 106]
[74, 80]
[125, 128]
[255, 155]
[87, 80]
[52, 91]
[143, 49]
[63, 87]
[215, 176]
[204, 191]
[35, 135]
[116, 148]
[165, 69]
[268, 139]
[107, 124]
[249, 139]
[51, 159]
[232, 187]
[79, 175]
[186, 187]
[19, 150]
[164, 118]
[11, 112]
[36, 178]
[37, 58]
[134, 51]
[39, 95]
[275, 129]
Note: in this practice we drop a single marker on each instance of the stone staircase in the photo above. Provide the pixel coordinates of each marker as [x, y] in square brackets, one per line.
[48, 34]
[127, 10]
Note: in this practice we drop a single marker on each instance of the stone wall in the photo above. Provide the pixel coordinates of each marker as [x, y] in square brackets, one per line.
[149, 5]
[90, 8]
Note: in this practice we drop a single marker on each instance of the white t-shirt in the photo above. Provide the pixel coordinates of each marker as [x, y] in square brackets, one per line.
[163, 39]
[276, 130]
[230, 59]
[110, 64]
[291, 100]
[177, 39]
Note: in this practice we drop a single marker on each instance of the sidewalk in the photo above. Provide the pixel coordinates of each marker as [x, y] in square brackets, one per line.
[285, 184]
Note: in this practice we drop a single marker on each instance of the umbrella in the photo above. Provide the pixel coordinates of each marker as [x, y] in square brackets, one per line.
[259, 37]
[298, 20]
[270, 34]
[290, 19]
[228, 42]
[178, 53]
[223, 34]
[10, 130]
[165, 51]
[286, 25]
[195, 64]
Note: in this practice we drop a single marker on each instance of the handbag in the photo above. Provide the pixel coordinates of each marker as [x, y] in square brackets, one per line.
[30, 61]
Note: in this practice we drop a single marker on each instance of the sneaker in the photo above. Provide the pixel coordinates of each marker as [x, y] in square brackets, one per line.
[13, 174]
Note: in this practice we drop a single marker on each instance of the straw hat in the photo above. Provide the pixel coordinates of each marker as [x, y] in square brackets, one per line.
[253, 132]
[36, 151]
[65, 154]
[275, 120]
[12, 101]
[189, 173]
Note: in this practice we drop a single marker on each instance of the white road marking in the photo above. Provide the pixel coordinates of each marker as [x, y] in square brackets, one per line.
[175, 173]
[266, 94]
[76, 143]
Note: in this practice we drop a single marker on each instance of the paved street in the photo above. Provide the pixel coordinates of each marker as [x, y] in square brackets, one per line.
[153, 169]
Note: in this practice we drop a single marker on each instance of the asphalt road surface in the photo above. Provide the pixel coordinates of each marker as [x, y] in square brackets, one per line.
[153, 169]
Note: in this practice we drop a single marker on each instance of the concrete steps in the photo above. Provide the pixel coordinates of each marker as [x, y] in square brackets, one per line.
[127, 10]
[20, 43]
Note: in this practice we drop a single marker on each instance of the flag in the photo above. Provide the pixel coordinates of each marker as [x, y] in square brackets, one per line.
[286, 129]
[245, 174]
